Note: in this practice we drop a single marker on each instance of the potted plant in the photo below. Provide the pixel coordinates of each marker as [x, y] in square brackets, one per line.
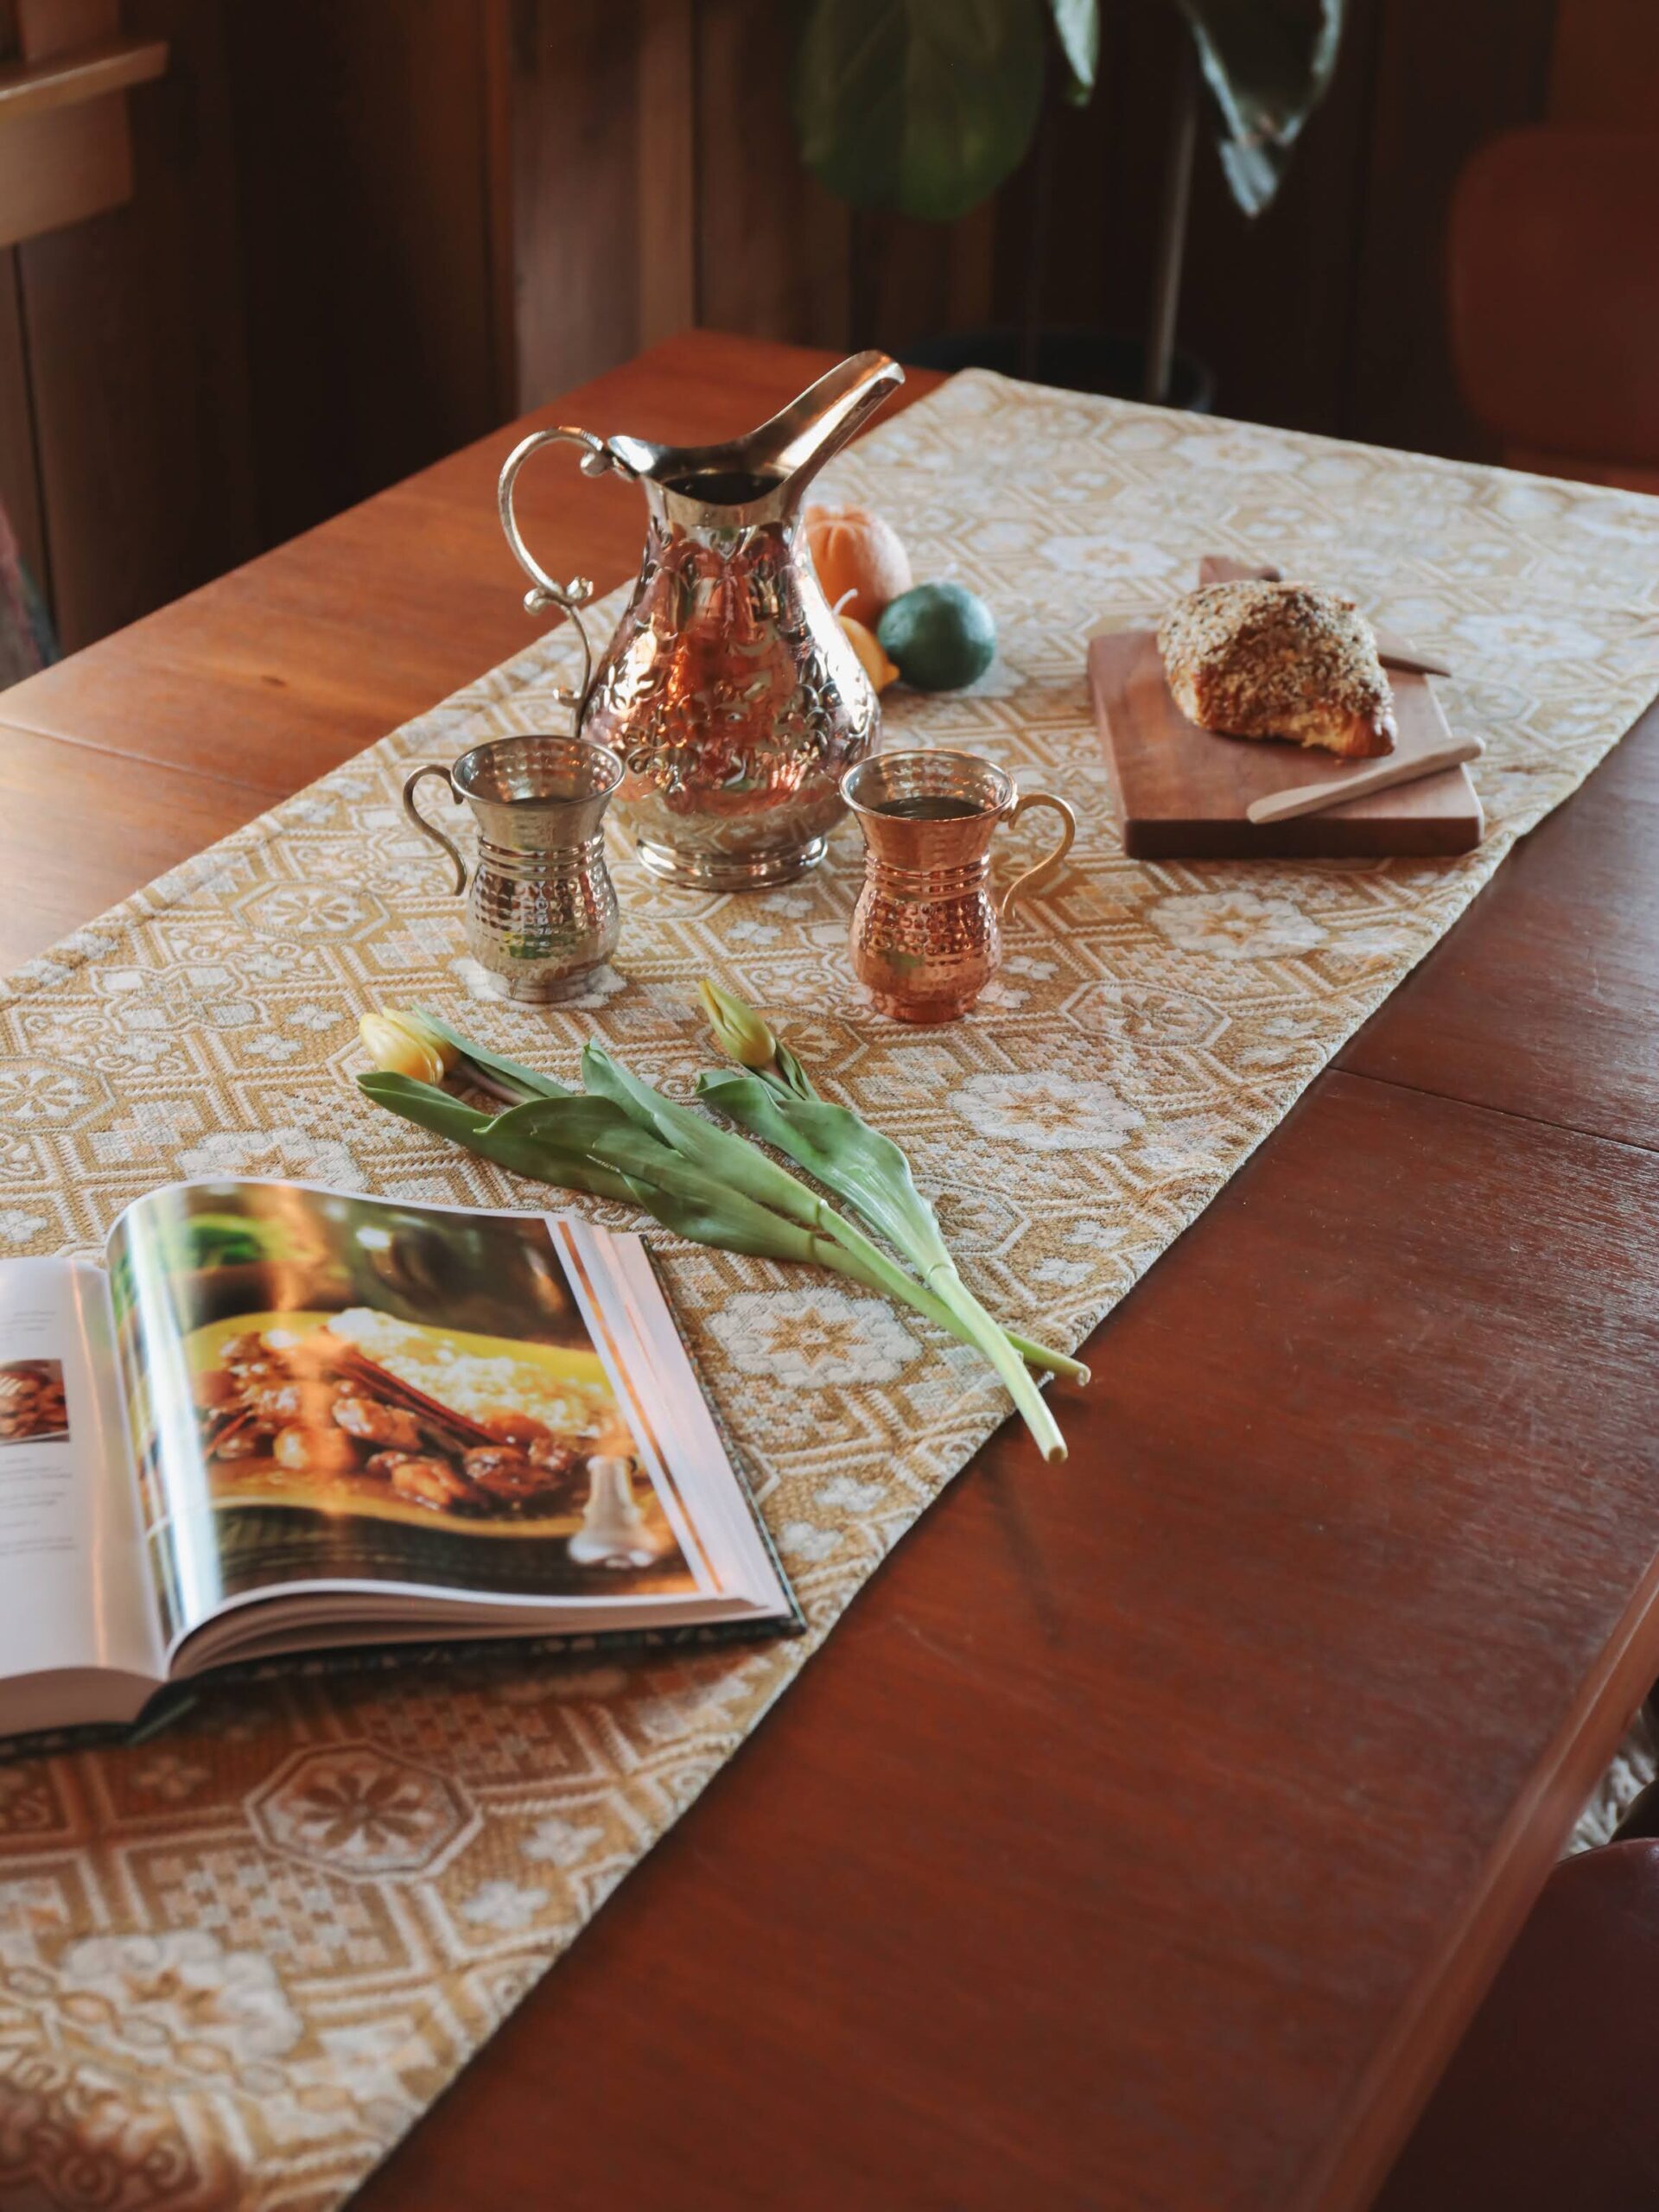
[925, 107]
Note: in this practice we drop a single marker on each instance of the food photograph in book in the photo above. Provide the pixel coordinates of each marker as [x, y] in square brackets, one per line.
[325, 1387]
[33, 1409]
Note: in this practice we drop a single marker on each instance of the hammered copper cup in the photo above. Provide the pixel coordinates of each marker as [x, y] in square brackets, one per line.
[927, 930]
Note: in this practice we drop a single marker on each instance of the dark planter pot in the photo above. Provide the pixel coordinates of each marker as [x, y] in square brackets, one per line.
[1074, 361]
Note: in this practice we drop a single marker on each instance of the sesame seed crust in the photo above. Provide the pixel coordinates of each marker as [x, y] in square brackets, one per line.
[1296, 661]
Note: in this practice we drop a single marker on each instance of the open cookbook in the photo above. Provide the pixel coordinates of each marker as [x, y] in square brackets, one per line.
[285, 1418]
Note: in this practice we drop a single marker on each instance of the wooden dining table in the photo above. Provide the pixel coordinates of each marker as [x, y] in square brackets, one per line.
[1149, 1831]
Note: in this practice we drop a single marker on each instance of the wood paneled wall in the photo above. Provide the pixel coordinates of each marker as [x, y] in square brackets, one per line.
[126, 445]
[373, 253]
[603, 186]
[1605, 68]
[363, 233]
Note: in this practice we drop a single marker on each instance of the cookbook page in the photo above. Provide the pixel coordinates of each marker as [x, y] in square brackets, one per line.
[705, 1496]
[73, 1594]
[336, 1395]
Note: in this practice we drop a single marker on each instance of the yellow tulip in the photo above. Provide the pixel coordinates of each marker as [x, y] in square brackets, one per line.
[403, 1044]
[743, 1036]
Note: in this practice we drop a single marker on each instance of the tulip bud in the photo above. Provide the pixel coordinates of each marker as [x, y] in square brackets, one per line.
[403, 1044]
[427, 1032]
[741, 1034]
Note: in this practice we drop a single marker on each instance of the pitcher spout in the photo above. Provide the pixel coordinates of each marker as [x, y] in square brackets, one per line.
[797, 443]
[760, 477]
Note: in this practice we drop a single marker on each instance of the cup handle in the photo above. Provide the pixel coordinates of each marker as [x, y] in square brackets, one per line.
[1034, 877]
[426, 827]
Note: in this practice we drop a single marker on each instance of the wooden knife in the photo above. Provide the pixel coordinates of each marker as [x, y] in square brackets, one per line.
[1314, 799]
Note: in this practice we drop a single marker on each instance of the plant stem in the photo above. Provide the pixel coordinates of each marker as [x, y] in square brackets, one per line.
[958, 1310]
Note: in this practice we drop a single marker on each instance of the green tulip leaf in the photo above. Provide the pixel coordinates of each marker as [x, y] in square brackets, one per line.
[714, 1151]
[712, 1217]
[574, 1123]
[422, 1103]
[580, 1132]
[511, 1147]
[497, 1064]
[846, 1154]
[921, 106]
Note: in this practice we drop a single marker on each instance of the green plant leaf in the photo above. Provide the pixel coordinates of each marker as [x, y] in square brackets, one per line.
[868, 1171]
[1268, 63]
[422, 1103]
[576, 1125]
[1076, 26]
[923, 106]
[712, 1218]
[791, 1075]
[558, 1134]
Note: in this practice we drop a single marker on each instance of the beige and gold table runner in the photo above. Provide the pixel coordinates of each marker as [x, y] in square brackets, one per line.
[237, 1961]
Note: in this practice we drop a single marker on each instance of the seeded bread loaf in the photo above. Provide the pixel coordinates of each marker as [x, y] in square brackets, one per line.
[1256, 659]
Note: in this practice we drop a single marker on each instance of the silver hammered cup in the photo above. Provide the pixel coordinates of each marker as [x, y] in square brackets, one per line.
[542, 915]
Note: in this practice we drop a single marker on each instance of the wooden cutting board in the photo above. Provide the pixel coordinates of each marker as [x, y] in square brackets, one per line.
[1181, 791]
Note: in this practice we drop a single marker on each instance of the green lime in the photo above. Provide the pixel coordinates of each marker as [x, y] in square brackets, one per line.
[939, 636]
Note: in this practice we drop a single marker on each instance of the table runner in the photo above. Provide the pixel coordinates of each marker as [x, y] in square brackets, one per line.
[237, 1961]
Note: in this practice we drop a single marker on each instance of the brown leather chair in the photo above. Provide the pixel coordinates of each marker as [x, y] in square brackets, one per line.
[1553, 304]
[1549, 2105]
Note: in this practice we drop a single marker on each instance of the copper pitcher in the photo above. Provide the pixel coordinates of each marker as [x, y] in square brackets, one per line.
[730, 690]
[927, 932]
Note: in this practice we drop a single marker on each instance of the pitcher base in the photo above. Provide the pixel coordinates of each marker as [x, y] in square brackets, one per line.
[691, 871]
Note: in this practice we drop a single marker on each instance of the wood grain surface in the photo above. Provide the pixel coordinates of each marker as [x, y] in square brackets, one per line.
[93, 73]
[377, 297]
[1544, 1001]
[81, 827]
[1149, 1829]
[137, 378]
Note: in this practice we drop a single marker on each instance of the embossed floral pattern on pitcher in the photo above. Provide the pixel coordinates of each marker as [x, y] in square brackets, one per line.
[730, 690]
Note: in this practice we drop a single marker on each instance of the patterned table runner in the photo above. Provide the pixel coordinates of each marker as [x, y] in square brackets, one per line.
[263, 1942]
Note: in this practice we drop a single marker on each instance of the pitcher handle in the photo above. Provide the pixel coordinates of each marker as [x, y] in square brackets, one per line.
[430, 830]
[546, 591]
[1034, 877]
